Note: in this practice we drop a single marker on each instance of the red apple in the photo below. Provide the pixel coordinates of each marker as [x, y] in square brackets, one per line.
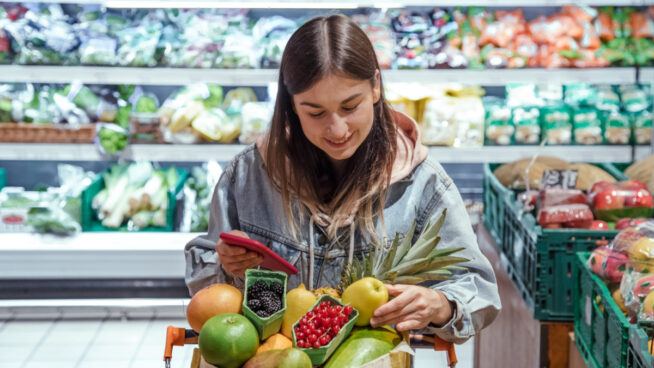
[609, 199]
[640, 198]
[632, 184]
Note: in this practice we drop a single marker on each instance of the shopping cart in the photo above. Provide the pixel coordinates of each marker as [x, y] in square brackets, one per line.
[178, 336]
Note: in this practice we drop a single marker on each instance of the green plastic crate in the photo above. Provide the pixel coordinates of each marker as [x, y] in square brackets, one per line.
[3, 179]
[90, 221]
[541, 261]
[494, 197]
[322, 354]
[269, 326]
[601, 329]
[638, 353]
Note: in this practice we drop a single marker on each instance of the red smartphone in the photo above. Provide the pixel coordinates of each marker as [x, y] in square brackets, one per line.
[271, 260]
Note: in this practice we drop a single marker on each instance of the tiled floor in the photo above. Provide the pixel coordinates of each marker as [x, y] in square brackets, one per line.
[121, 344]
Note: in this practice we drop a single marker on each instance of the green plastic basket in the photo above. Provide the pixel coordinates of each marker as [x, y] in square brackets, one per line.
[320, 355]
[638, 353]
[90, 221]
[601, 329]
[494, 196]
[3, 178]
[270, 325]
[541, 262]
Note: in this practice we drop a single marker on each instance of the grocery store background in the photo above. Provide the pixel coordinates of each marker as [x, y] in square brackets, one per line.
[88, 85]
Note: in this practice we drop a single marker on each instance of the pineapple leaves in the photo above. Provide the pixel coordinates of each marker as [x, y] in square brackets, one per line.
[386, 263]
[425, 243]
[404, 247]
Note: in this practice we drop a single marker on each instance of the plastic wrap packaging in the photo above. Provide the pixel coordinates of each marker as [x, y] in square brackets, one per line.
[557, 196]
[642, 123]
[527, 125]
[607, 99]
[587, 126]
[198, 191]
[608, 264]
[626, 223]
[557, 124]
[272, 34]
[111, 139]
[628, 199]
[617, 128]
[138, 45]
[565, 216]
[634, 99]
[256, 121]
[239, 51]
[143, 118]
[97, 47]
[499, 127]
[638, 279]
[580, 95]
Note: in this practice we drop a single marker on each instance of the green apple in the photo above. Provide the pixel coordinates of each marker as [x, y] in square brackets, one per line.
[366, 295]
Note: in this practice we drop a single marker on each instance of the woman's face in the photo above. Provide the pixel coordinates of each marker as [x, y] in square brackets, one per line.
[336, 114]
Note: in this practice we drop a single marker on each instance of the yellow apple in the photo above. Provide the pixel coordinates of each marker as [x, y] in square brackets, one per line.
[641, 254]
[365, 295]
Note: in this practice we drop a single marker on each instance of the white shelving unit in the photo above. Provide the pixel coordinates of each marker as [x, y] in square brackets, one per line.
[93, 255]
[225, 152]
[262, 77]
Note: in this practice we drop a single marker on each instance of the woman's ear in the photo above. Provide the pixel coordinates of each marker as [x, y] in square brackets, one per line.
[376, 88]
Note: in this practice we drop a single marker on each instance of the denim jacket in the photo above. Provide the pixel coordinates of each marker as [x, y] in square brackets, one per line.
[245, 199]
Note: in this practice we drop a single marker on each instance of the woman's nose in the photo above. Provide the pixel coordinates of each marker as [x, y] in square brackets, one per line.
[338, 126]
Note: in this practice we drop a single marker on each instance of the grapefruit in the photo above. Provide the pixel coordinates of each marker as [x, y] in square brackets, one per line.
[228, 340]
[211, 301]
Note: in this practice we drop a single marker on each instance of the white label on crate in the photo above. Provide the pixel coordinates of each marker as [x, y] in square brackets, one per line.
[589, 309]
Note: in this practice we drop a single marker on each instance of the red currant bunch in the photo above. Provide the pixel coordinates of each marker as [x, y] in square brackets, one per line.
[318, 327]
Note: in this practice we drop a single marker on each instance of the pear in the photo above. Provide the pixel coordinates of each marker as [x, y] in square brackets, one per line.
[298, 302]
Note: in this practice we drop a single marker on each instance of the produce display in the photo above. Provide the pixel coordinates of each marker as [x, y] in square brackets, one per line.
[474, 37]
[317, 326]
[580, 114]
[643, 171]
[135, 194]
[597, 203]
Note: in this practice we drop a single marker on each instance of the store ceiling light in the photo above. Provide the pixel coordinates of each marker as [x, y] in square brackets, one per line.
[145, 4]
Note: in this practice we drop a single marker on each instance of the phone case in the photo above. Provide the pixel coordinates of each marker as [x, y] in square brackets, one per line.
[271, 260]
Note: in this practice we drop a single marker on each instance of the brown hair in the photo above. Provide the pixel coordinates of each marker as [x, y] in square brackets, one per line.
[324, 45]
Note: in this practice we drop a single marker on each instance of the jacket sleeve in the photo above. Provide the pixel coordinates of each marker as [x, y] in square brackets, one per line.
[473, 291]
[203, 267]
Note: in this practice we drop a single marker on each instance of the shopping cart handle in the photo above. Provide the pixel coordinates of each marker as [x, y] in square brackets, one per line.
[177, 336]
[438, 344]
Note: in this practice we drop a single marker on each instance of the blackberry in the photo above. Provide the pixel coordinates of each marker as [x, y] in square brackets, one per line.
[262, 313]
[277, 288]
[254, 304]
[270, 302]
[255, 289]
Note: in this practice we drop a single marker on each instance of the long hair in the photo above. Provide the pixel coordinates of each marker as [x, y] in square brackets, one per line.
[324, 45]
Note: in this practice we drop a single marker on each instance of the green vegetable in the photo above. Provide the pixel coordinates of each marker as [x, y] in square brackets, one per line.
[146, 104]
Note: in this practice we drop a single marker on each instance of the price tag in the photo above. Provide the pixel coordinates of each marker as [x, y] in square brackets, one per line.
[565, 179]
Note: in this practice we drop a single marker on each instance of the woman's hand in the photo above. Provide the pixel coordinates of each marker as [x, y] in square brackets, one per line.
[413, 308]
[236, 260]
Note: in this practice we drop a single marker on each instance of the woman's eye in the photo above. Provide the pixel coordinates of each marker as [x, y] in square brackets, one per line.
[351, 108]
[316, 115]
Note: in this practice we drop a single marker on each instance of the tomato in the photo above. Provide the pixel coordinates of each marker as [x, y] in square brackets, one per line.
[599, 225]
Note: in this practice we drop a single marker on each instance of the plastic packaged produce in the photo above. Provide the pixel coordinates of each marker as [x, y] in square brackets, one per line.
[629, 222]
[643, 127]
[557, 196]
[617, 128]
[628, 199]
[239, 51]
[99, 104]
[565, 216]
[378, 28]
[557, 124]
[587, 126]
[638, 280]
[607, 99]
[499, 127]
[272, 34]
[198, 191]
[210, 124]
[608, 264]
[527, 123]
[110, 138]
[138, 44]
[43, 36]
[580, 95]
[256, 120]
[634, 99]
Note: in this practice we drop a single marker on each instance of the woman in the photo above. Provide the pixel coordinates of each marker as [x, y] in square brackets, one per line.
[338, 169]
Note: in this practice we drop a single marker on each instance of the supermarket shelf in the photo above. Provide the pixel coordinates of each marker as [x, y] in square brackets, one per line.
[93, 255]
[225, 152]
[331, 4]
[512, 153]
[642, 152]
[262, 77]
[647, 75]
[89, 152]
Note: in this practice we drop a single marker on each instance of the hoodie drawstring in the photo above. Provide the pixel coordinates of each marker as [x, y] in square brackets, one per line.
[311, 255]
[350, 252]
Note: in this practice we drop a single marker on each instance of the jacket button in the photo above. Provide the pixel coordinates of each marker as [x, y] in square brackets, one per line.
[322, 239]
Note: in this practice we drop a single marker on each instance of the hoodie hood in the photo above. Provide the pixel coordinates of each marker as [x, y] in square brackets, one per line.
[410, 153]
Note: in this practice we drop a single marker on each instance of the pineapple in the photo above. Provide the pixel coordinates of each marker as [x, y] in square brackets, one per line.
[404, 263]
